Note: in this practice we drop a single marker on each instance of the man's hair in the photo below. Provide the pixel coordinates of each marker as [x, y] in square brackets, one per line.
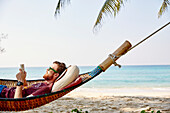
[61, 67]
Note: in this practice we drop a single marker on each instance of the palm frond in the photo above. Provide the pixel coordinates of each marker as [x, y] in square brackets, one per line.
[163, 8]
[110, 7]
[61, 4]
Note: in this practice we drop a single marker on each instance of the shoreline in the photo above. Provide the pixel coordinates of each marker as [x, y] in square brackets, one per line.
[98, 92]
[118, 100]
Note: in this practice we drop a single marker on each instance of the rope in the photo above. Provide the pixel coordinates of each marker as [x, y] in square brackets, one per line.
[149, 36]
[112, 56]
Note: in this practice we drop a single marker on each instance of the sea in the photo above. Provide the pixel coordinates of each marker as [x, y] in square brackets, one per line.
[139, 76]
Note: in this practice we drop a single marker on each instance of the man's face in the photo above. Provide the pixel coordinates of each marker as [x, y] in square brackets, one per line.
[50, 73]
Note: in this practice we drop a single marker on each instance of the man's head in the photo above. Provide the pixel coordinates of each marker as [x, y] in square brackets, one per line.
[54, 71]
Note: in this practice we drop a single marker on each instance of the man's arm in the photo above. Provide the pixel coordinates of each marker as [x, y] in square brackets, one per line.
[18, 92]
[21, 78]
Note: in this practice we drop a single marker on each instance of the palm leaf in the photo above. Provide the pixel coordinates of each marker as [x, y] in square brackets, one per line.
[163, 8]
[110, 7]
[61, 4]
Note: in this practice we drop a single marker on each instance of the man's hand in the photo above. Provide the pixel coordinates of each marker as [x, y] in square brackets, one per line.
[21, 76]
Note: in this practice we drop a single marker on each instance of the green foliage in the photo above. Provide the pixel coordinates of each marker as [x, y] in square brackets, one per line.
[143, 111]
[163, 8]
[78, 111]
[61, 4]
[110, 7]
[158, 112]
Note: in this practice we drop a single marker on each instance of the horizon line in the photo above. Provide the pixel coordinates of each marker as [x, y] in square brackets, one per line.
[93, 65]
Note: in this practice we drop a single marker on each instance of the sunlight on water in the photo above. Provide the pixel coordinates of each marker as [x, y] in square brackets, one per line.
[127, 76]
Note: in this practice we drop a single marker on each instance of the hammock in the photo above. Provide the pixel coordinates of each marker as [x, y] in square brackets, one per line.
[20, 104]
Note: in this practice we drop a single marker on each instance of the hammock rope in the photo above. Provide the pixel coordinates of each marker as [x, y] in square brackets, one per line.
[112, 56]
[149, 36]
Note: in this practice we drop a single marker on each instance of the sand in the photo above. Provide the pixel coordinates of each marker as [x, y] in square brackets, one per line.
[120, 100]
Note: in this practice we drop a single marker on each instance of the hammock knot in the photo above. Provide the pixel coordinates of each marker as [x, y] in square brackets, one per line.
[113, 57]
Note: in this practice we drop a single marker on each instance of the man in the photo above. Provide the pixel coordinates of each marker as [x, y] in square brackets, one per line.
[36, 89]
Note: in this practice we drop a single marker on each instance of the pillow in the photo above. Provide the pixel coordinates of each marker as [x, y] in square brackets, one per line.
[71, 74]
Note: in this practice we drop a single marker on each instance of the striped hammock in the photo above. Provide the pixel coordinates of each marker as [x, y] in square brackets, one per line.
[25, 103]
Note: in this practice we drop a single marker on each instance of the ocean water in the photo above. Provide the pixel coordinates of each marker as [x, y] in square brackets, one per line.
[150, 76]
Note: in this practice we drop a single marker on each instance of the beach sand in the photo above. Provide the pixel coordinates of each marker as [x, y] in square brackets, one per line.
[120, 100]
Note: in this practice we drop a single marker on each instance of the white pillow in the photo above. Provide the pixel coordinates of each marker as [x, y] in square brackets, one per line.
[71, 74]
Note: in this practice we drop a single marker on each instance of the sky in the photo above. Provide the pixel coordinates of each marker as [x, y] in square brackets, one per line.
[37, 38]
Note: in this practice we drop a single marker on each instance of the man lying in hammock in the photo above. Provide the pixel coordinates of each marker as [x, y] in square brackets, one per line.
[22, 90]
